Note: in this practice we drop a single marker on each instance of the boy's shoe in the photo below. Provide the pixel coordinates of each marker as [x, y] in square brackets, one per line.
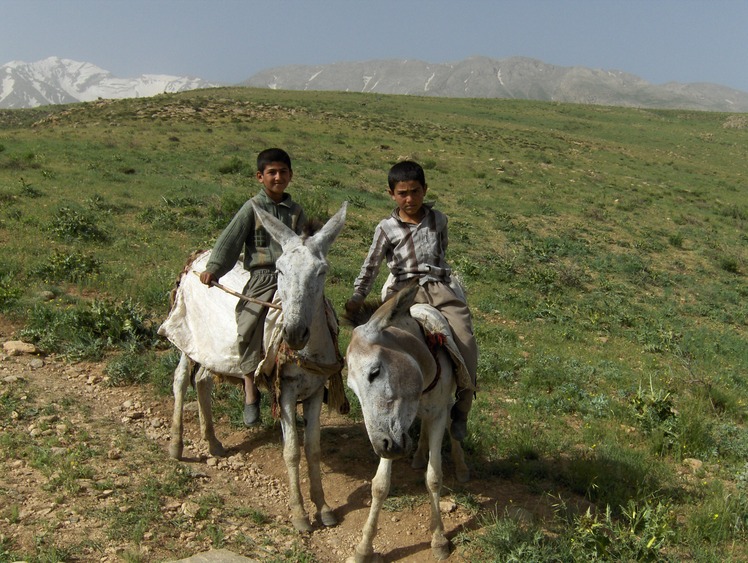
[458, 429]
[252, 413]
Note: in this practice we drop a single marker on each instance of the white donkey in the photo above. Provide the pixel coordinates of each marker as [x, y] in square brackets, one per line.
[396, 377]
[305, 354]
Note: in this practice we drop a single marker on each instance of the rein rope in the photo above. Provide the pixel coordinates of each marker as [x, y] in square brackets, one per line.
[240, 295]
[434, 341]
[332, 371]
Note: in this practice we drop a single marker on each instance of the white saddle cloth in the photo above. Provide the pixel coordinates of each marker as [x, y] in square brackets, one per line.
[202, 321]
[433, 322]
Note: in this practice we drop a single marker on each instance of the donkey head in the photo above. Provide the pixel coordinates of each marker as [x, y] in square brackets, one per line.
[301, 272]
[388, 362]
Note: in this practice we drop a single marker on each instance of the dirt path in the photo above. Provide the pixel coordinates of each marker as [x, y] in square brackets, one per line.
[123, 435]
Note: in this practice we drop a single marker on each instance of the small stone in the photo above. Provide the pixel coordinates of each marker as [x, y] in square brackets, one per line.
[190, 508]
[18, 347]
[695, 465]
[447, 506]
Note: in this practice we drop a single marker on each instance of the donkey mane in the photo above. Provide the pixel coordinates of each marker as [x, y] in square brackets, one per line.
[398, 305]
[362, 316]
[312, 226]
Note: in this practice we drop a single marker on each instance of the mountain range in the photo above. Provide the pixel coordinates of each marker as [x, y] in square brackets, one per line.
[513, 77]
[62, 81]
[59, 81]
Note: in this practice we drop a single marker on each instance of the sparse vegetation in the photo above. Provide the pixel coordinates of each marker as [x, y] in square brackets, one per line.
[603, 250]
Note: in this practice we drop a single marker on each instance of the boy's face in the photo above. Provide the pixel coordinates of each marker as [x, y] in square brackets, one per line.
[409, 198]
[275, 179]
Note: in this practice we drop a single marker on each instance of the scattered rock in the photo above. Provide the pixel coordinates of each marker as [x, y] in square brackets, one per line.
[12, 379]
[190, 508]
[216, 556]
[695, 465]
[447, 506]
[18, 347]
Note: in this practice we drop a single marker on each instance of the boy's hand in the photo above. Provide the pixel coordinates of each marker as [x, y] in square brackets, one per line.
[353, 305]
[208, 278]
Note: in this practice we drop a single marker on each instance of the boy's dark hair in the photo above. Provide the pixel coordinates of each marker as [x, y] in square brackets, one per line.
[272, 155]
[406, 171]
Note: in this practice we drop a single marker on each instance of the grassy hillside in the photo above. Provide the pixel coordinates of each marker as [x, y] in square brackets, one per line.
[604, 252]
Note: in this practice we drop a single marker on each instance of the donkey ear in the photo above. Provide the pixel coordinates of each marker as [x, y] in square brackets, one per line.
[405, 298]
[280, 232]
[323, 239]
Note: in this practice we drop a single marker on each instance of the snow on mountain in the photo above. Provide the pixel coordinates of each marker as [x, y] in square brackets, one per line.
[63, 81]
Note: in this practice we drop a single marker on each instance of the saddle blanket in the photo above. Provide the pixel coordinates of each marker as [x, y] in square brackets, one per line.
[433, 322]
[202, 322]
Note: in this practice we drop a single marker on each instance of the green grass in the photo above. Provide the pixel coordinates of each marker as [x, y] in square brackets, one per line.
[603, 249]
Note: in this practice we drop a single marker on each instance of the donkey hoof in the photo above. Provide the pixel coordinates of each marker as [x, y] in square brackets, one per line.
[176, 450]
[419, 462]
[216, 449]
[440, 549]
[327, 517]
[463, 475]
[301, 523]
[361, 558]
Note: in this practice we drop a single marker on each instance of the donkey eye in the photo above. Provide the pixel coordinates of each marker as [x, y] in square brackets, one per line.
[374, 373]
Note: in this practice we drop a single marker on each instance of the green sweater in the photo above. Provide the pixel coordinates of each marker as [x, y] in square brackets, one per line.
[244, 233]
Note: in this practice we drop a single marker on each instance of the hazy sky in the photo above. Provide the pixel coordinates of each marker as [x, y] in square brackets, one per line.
[227, 41]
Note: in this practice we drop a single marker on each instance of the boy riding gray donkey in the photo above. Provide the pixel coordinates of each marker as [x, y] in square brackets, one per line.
[413, 241]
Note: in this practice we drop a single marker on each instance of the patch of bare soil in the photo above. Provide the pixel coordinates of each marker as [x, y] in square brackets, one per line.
[125, 434]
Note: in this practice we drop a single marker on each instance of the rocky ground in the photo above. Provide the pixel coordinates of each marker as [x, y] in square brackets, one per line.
[120, 436]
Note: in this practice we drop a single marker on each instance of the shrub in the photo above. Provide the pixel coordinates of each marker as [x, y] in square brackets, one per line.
[9, 291]
[77, 224]
[235, 165]
[70, 267]
[28, 190]
[87, 332]
[655, 413]
[127, 369]
[730, 264]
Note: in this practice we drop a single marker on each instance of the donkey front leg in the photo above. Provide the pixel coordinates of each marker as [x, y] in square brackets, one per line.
[312, 410]
[179, 388]
[292, 457]
[204, 387]
[380, 488]
[439, 543]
